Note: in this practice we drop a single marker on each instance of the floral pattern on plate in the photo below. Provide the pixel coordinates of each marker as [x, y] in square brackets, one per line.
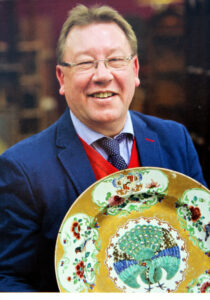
[133, 191]
[78, 268]
[146, 255]
[193, 210]
[201, 284]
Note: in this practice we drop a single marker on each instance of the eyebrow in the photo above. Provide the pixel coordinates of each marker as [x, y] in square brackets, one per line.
[88, 52]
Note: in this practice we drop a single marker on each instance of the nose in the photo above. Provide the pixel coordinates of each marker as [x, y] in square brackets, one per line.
[102, 73]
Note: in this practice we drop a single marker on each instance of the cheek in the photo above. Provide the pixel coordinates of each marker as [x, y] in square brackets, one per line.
[75, 91]
[78, 84]
[72, 86]
[130, 83]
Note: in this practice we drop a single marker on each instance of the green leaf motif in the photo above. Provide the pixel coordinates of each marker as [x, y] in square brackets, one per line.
[194, 240]
[194, 200]
[87, 254]
[108, 195]
[133, 207]
[98, 245]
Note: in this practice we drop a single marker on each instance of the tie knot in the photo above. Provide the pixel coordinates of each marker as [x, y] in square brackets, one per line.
[122, 136]
[112, 148]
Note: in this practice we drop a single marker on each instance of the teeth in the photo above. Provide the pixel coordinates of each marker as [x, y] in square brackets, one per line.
[102, 95]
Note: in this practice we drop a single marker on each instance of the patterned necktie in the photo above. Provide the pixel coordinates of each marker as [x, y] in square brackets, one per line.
[112, 148]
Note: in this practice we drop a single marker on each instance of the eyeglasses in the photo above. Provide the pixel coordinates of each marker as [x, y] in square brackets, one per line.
[114, 63]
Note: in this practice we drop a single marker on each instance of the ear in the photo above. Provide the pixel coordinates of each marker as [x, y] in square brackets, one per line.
[136, 71]
[60, 77]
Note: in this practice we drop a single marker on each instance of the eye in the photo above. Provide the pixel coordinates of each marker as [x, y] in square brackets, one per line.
[85, 64]
[116, 62]
[115, 59]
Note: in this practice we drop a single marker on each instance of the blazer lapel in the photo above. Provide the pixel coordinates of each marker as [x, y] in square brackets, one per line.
[72, 155]
[147, 143]
[75, 161]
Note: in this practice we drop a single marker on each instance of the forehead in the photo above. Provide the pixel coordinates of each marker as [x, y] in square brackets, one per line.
[96, 37]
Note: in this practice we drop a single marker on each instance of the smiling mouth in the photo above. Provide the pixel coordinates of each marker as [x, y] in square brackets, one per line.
[103, 95]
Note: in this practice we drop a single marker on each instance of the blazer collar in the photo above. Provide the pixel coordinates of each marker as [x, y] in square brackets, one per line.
[147, 142]
[72, 154]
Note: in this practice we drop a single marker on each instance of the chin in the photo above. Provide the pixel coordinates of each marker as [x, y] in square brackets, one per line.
[109, 115]
[107, 119]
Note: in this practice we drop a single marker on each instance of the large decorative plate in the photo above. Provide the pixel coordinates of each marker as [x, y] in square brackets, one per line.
[137, 230]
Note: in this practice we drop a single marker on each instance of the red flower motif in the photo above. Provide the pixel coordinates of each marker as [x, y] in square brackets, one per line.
[152, 184]
[115, 200]
[76, 230]
[195, 213]
[80, 268]
[205, 286]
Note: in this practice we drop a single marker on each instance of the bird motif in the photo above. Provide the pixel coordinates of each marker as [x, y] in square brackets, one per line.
[207, 231]
[82, 246]
[145, 251]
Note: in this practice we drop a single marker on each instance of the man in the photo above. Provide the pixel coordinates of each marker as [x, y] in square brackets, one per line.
[42, 176]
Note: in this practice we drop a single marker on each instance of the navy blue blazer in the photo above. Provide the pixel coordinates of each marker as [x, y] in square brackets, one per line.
[42, 176]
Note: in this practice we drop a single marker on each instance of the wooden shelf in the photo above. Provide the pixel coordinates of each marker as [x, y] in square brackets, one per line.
[166, 75]
[31, 113]
[10, 68]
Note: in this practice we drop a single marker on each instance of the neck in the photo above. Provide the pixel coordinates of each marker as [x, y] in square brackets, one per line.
[109, 130]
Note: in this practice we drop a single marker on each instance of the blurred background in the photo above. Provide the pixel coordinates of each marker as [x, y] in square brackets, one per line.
[174, 54]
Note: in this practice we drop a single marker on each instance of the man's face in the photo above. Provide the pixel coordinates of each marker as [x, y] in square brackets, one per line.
[100, 98]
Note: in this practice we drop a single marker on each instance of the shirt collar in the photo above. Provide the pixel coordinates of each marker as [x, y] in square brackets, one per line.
[90, 136]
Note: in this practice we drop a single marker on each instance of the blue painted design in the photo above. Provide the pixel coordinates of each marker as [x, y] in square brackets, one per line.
[140, 176]
[207, 230]
[174, 251]
[114, 183]
[150, 249]
[121, 265]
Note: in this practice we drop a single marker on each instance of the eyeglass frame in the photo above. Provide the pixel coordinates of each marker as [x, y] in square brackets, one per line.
[96, 62]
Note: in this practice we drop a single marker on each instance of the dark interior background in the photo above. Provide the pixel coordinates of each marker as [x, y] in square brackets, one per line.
[174, 54]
